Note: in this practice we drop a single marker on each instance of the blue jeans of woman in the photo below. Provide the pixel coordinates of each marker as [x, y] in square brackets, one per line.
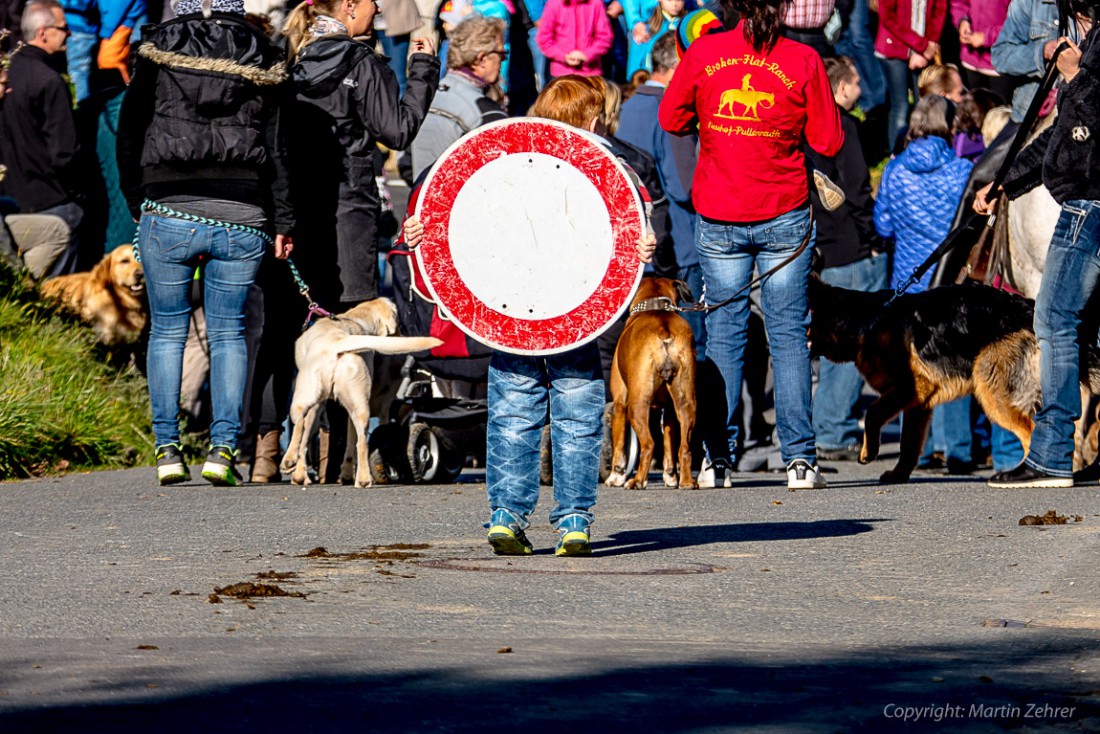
[839, 386]
[523, 390]
[858, 43]
[900, 82]
[170, 251]
[397, 49]
[729, 253]
[80, 56]
[1070, 279]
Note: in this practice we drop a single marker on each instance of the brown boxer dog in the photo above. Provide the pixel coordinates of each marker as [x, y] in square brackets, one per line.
[654, 369]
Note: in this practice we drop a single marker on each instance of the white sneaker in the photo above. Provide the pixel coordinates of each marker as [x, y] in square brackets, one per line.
[716, 474]
[801, 474]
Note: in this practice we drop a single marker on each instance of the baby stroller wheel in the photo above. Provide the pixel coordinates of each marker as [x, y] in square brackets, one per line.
[388, 463]
[430, 459]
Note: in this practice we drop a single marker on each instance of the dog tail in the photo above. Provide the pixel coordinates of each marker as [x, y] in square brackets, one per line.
[385, 344]
[667, 368]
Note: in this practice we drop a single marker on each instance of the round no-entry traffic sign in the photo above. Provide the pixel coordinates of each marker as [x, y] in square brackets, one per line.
[529, 240]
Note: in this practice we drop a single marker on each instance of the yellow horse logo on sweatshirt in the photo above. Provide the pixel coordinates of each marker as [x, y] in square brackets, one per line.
[748, 98]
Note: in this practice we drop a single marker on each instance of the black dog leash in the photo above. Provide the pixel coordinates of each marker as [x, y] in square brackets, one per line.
[956, 236]
[666, 304]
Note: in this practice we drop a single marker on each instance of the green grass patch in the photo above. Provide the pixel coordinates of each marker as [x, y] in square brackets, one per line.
[62, 405]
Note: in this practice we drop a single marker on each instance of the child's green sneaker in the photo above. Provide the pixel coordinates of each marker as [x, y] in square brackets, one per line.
[171, 468]
[506, 536]
[575, 539]
[219, 469]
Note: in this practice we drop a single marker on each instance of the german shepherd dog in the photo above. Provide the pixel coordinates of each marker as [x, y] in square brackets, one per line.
[926, 349]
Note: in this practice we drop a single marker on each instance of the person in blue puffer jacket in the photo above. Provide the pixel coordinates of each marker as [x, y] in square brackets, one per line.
[916, 203]
[921, 189]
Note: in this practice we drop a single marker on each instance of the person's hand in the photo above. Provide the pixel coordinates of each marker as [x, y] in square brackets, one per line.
[646, 246]
[1069, 61]
[640, 33]
[982, 203]
[1048, 49]
[931, 51]
[917, 62]
[575, 58]
[965, 29]
[977, 40]
[422, 46]
[414, 232]
[284, 245]
[614, 9]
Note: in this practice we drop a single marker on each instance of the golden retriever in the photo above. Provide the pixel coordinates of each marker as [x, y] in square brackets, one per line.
[334, 364]
[110, 297]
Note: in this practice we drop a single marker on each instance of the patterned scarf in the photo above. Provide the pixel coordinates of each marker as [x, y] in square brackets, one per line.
[190, 7]
[327, 26]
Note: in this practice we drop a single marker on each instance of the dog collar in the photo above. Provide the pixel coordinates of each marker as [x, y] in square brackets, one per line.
[662, 303]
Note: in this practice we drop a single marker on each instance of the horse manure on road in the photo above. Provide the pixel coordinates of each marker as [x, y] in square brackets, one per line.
[1050, 518]
[394, 552]
[246, 590]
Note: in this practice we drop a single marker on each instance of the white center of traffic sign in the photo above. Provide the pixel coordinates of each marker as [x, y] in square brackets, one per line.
[530, 228]
[546, 195]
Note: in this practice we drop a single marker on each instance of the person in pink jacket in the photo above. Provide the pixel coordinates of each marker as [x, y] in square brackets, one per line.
[907, 40]
[979, 23]
[574, 35]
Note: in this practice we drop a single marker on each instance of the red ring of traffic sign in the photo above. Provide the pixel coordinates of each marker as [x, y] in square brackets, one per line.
[529, 240]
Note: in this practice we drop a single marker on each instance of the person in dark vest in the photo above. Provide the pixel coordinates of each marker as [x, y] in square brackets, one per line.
[202, 166]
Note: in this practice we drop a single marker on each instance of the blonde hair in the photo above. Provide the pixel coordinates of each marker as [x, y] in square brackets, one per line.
[936, 79]
[472, 38]
[994, 122]
[572, 99]
[612, 105]
[302, 18]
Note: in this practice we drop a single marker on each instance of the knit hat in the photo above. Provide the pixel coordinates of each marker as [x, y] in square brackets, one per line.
[190, 7]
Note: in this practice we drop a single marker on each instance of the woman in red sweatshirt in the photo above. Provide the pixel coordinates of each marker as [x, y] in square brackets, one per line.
[754, 97]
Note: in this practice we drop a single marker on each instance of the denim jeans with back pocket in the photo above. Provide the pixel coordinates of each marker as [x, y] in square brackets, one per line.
[729, 254]
[170, 252]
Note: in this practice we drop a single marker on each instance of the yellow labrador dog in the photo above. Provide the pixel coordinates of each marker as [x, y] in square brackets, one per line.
[334, 363]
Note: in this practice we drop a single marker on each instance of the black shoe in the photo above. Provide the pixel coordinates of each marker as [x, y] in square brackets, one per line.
[1089, 475]
[845, 453]
[958, 467]
[1023, 477]
[935, 462]
[171, 467]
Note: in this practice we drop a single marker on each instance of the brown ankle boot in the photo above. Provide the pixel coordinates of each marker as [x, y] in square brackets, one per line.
[265, 469]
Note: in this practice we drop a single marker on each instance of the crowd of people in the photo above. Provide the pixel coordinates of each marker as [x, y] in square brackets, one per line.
[239, 139]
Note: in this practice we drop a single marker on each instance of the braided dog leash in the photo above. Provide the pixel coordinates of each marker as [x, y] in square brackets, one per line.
[166, 211]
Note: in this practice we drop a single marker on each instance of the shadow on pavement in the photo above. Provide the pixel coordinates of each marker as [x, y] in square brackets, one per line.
[991, 685]
[655, 539]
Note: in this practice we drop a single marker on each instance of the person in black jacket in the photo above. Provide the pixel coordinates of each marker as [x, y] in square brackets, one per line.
[37, 130]
[1066, 159]
[201, 164]
[852, 258]
[346, 102]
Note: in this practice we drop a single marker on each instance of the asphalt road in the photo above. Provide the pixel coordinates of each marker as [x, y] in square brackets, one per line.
[750, 609]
